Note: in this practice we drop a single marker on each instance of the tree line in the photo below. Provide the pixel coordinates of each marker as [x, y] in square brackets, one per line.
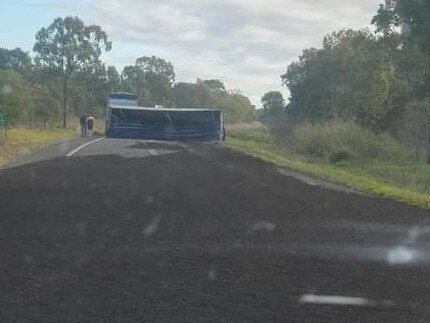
[379, 79]
[66, 77]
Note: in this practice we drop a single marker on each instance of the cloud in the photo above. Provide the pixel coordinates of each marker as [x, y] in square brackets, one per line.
[245, 43]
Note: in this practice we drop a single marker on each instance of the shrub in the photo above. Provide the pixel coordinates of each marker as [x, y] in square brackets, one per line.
[16, 100]
[338, 141]
[338, 156]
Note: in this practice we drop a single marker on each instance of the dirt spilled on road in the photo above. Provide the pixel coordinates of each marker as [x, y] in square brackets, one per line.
[199, 237]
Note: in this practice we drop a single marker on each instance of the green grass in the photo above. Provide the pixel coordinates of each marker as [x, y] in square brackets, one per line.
[405, 183]
[21, 141]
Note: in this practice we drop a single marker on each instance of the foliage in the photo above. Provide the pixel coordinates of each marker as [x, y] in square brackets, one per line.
[152, 78]
[15, 96]
[380, 80]
[212, 94]
[192, 95]
[67, 46]
[45, 106]
[273, 103]
[411, 16]
[159, 76]
[235, 106]
[348, 79]
[15, 59]
[68, 78]
[213, 85]
[338, 156]
[404, 182]
[133, 81]
[157, 66]
[407, 21]
[334, 138]
[113, 79]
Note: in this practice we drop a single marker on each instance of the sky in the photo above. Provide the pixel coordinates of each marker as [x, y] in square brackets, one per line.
[247, 44]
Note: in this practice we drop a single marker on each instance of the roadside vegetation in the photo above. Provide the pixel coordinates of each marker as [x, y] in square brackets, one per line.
[359, 108]
[64, 77]
[355, 160]
[21, 141]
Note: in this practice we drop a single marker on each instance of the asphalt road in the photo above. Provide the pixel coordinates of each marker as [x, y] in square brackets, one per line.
[136, 231]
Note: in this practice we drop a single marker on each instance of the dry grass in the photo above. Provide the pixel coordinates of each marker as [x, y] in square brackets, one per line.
[244, 126]
[21, 141]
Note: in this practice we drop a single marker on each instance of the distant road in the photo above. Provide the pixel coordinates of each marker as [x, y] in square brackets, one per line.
[106, 230]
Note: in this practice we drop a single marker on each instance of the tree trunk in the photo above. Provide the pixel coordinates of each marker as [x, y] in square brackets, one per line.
[65, 102]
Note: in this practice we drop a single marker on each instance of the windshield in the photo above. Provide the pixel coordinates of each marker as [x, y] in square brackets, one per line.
[214, 161]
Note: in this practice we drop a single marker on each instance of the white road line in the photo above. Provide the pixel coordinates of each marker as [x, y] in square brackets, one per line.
[334, 300]
[74, 151]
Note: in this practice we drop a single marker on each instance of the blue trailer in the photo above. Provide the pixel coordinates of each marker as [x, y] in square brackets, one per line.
[125, 119]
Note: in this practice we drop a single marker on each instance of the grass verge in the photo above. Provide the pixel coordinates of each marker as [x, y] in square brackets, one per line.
[22, 141]
[259, 143]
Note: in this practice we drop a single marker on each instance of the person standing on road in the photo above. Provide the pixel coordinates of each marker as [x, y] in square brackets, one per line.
[83, 123]
[90, 125]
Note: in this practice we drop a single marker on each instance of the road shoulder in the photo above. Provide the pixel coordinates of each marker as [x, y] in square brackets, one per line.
[55, 150]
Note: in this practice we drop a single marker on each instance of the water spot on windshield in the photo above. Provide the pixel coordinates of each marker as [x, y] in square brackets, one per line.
[149, 199]
[152, 226]
[28, 258]
[402, 255]
[212, 275]
[128, 216]
[81, 228]
[263, 226]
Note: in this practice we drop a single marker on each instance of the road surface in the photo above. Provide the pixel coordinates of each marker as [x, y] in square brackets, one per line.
[136, 231]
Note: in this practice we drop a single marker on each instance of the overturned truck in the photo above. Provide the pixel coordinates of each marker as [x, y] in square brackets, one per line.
[125, 119]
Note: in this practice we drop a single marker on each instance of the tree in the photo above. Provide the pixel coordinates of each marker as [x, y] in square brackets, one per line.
[89, 87]
[273, 103]
[192, 95]
[16, 100]
[133, 80]
[113, 79]
[67, 46]
[159, 77]
[407, 21]
[46, 106]
[156, 66]
[235, 107]
[15, 59]
[411, 16]
[213, 85]
[351, 78]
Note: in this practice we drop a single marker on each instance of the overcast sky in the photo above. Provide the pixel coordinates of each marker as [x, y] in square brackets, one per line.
[245, 43]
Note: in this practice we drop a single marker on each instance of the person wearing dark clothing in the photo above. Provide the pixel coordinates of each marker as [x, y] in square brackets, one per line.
[83, 123]
[90, 125]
